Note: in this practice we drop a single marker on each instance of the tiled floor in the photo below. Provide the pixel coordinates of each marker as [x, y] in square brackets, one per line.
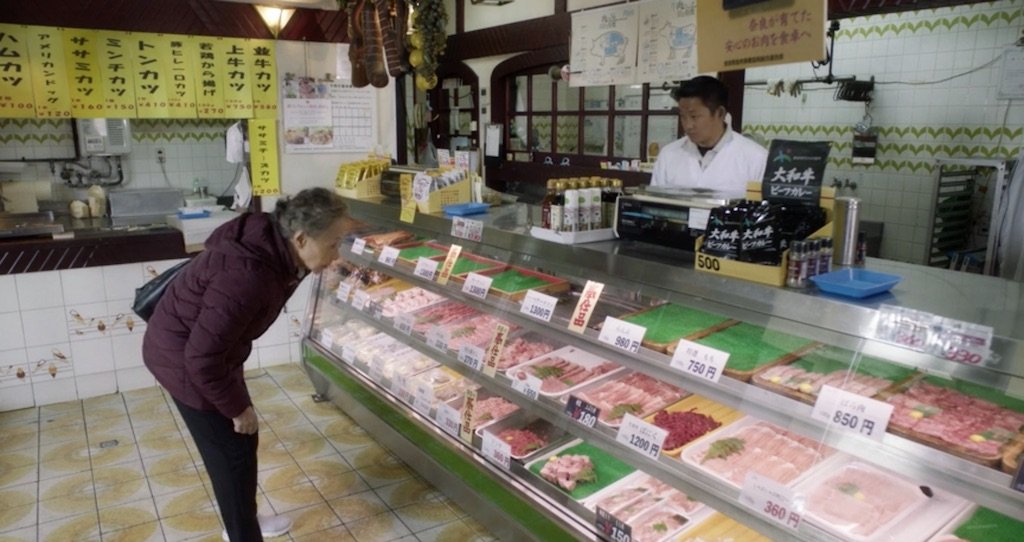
[62, 480]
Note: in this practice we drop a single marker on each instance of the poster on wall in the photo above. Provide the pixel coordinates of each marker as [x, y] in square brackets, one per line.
[604, 46]
[266, 178]
[49, 76]
[328, 116]
[759, 33]
[16, 98]
[668, 41]
[151, 64]
[118, 78]
[84, 77]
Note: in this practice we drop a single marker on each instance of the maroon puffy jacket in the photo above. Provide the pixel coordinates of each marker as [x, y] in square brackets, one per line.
[202, 329]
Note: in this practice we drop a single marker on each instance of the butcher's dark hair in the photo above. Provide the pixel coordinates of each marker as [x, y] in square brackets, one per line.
[312, 210]
[712, 92]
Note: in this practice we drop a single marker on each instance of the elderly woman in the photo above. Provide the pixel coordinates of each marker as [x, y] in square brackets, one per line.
[203, 328]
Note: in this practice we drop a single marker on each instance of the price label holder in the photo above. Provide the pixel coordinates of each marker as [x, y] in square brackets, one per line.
[326, 341]
[644, 438]
[388, 256]
[466, 228]
[423, 399]
[963, 342]
[348, 355]
[425, 268]
[1017, 484]
[437, 338]
[377, 372]
[528, 386]
[699, 360]
[403, 323]
[622, 334]
[359, 246]
[477, 285]
[398, 386]
[538, 305]
[408, 214]
[772, 500]
[613, 528]
[472, 356]
[497, 450]
[852, 413]
[360, 299]
[583, 412]
[421, 187]
[585, 306]
[466, 428]
[494, 349]
[698, 219]
[449, 419]
[449, 264]
[344, 291]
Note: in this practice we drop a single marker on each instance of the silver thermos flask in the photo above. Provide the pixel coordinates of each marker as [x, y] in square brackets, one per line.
[846, 227]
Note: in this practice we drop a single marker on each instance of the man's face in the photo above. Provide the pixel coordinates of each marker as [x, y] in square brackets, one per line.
[703, 126]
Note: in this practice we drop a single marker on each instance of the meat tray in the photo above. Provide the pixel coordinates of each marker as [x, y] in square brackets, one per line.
[809, 458]
[407, 300]
[668, 395]
[476, 331]
[753, 349]
[378, 240]
[802, 378]
[645, 526]
[700, 405]
[552, 436]
[631, 490]
[667, 323]
[512, 356]
[863, 503]
[469, 263]
[607, 469]
[543, 283]
[481, 395]
[994, 424]
[718, 526]
[444, 313]
[979, 524]
[574, 355]
[410, 253]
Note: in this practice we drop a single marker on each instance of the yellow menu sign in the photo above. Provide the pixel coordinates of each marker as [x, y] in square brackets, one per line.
[84, 78]
[209, 93]
[772, 32]
[263, 153]
[235, 77]
[264, 78]
[16, 97]
[152, 78]
[181, 90]
[115, 55]
[49, 72]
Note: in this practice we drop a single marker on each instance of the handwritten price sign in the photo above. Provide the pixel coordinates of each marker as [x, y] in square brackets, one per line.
[585, 306]
[477, 285]
[699, 360]
[622, 334]
[771, 499]
[852, 413]
[645, 438]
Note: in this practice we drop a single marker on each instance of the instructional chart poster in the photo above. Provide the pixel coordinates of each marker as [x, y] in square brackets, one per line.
[328, 116]
[668, 41]
[604, 46]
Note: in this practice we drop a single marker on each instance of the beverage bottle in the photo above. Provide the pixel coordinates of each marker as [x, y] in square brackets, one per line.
[825, 256]
[596, 205]
[545, 205]
[571, 209]
[557, 207]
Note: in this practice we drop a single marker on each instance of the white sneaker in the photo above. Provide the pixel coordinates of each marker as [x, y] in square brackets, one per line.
[270, 526]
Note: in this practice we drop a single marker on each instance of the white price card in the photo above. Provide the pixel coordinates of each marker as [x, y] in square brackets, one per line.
[425, 268]
[699, 360]
[404, 323]
[528, 385]
[358, 246]
[477, 285]
[622, 334]
[964, 342]
[497, 450]
[538, 305]
[421, 187]
[398, 386]
[449, 419]
[359, 299]
[772, 500]
[698, 219]
[852, 413]
[377, 372]
[472, 356]
[423, 399]
[437, 339]
[327, 341]
[585, 306]
[466, 228]
[388, 256]
[348, 354]
[344, 291]
[641, 436]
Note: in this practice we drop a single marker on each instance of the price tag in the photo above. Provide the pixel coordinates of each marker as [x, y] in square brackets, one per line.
[772, 500]
[641, 436]
[472, 356]
[348, 354]
[421, 187]
[698, 219]
[359, 246]
[583, 412]
[964, 342]
[438, 339]
[448, 418]
[622, 334]
[344, 291]
[399, 386]
[377, 372]
[954, 340]
[408, 214]
[477, 285]
[388, 256]
[423, 399]
[425, 268]
[468, 404]
[449, 264]
[527, 384]
[495, 348]
[497, 450]
[612, 527]
[538, 305]
[852, 413]
[465, 228]
[699, 360]
[585, 306]
[359, 299]
[327, 341]
[404, 323]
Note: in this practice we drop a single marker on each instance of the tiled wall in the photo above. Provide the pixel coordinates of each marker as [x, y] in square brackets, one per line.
[71, 334]
[958, 118]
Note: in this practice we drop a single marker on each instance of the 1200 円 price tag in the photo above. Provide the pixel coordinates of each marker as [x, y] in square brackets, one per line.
[641, 436]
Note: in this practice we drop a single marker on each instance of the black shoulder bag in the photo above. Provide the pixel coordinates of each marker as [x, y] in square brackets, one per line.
[149, 294]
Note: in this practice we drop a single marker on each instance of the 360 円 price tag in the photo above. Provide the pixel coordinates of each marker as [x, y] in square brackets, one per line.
[771, 500]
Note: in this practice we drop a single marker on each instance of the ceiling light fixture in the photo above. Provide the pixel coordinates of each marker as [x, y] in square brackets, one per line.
[275, 18]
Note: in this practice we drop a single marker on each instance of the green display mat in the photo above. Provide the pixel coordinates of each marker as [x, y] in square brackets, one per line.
[465, 265]
[979, 391]
[422, 251]
[990, 526]
[831, 359]
[608, 469]
[514, 281]
[668, 323]
[751, 346]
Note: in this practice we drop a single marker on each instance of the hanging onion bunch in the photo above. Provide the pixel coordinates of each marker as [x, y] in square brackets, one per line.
[427, 41]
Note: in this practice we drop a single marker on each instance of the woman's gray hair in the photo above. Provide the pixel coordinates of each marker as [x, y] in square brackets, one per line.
[312, 210]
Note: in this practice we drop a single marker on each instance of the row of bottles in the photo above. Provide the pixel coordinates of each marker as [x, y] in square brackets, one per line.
[580, 204]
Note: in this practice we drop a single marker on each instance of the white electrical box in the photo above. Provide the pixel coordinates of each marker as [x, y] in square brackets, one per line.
[104, 137]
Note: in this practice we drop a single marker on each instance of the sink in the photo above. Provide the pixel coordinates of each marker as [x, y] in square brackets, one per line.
[15, 225]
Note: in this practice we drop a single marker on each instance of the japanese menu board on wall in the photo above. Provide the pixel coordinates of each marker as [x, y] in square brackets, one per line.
[263, 155]
[795, 170]
[604, 45]
[48, 72]
[759, 34]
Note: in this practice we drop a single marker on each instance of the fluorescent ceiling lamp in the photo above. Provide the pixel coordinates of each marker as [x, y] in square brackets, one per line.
[276, 18]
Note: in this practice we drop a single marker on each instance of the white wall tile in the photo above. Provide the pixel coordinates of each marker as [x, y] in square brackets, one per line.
[134, 378]
[298, 300]
[54, 391]
[296, 351]
[277, 333]
[82, 286]
[13, 363]
[92, 356]
[275, 355]
[120, 281]
[16, 398]
[39, 290]
[95, 385]
[127, 350]
[11, 334]
[8, 294]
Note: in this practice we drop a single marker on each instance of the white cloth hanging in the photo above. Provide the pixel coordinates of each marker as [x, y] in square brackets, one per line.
[243, 190]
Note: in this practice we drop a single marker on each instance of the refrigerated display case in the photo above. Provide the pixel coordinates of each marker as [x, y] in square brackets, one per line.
[748, 383]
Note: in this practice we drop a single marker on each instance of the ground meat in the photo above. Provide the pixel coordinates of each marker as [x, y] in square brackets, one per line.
[684, 427]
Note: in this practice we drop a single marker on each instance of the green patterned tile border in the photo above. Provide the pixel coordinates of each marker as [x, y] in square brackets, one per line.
[179, 129]
[34, 123]
[943, 24]
[35, 138]
[177, 136]
[918, 132]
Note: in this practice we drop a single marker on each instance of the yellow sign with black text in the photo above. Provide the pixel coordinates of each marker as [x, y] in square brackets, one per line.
[115, 57]
[16, 96]
[266, 180]
[84, 77]
[49, 73]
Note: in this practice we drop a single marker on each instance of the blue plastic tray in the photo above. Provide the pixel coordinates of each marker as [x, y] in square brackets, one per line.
[856, 282]
[465, 209]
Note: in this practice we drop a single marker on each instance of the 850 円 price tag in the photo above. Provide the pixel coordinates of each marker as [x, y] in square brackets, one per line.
[852, 413]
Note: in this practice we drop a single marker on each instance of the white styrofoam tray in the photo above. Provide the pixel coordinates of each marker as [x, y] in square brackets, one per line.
[573, 237]
[568, 353]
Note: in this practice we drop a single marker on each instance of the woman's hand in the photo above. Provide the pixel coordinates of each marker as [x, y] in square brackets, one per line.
[247, 423]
